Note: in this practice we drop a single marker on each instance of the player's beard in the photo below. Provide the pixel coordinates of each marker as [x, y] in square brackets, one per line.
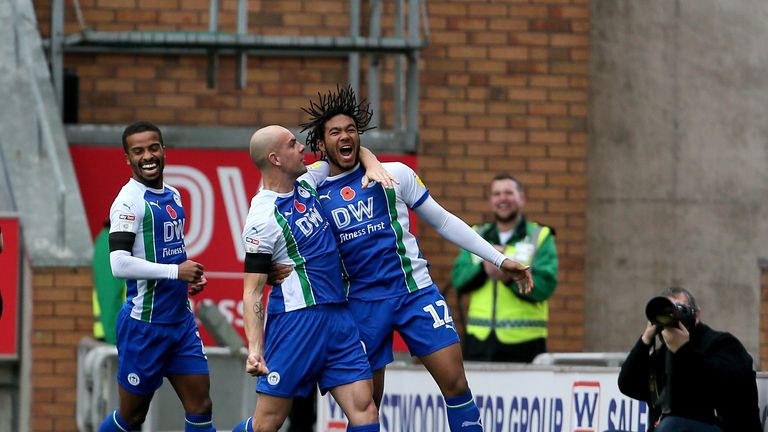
[152, 180]
[335, 159]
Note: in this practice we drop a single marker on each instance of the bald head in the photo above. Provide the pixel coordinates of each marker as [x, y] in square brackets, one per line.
[264, 141]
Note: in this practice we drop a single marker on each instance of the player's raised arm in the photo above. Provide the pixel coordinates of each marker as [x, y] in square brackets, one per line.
[374, 170]
[457, 231]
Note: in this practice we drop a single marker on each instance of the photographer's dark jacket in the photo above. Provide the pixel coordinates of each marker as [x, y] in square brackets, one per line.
[712, 380]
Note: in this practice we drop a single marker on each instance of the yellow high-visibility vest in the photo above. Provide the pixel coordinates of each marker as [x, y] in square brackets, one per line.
[494, 306]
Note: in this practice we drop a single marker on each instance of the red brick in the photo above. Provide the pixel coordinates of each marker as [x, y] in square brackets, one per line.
[547, 137]
[158, 4]
[528, 11]
[136, 16]
[535, 39]
[508, 24]
[527, 94]
[569, 40]
[547, 165]
[116, 4]
[487, 10]
[462, 23]
[548, 109]
[508, 53]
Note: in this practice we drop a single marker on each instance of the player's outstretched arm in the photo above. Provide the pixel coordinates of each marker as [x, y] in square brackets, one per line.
[455, 230]
[520, 274]
[253, 320]
[374, 170]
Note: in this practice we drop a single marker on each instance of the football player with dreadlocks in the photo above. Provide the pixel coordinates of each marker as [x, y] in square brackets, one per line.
[390, 287]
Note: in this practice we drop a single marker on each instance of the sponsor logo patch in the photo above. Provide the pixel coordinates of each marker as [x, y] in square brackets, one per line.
[273, 378]
[133, 379]
[126, 221]
[251, 244]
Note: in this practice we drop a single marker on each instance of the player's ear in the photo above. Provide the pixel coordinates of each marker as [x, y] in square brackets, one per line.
[273, 158]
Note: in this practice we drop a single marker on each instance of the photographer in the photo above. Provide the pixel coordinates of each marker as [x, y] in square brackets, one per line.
[697, 379]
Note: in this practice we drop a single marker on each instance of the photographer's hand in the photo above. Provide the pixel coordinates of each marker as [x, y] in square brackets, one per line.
[649, 334]
[675, 337]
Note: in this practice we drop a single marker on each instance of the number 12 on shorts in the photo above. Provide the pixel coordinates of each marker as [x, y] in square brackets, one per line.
[439, 322]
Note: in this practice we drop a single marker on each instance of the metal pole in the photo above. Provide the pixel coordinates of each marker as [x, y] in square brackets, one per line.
[242, 28]
[213, 58]
[354, 58]
[397, 94]
[412, 84]
[56, 53]
[374, 29]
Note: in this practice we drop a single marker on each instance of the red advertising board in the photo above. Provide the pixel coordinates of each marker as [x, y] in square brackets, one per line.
[9, 287]
[216, 188]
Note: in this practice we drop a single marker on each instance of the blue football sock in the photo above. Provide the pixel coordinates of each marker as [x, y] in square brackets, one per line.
[244, 426]
[198, 423]
[364, 428]
[463, 414]
[114, 423]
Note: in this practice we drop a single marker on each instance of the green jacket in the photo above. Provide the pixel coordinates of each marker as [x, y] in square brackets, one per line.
[108, 291]
[500, 307]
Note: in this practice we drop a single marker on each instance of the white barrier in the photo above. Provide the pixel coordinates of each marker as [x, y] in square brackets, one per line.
[232, 390]
[511, 398]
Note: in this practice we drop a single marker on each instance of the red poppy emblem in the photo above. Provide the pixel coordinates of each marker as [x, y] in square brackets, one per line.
[299, 206]
[170, 211]
[347, 193]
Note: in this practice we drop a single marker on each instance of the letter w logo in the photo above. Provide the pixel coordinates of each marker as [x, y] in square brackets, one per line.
[585, 406]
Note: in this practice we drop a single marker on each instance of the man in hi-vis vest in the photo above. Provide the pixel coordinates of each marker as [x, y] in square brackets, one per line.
[502, 324]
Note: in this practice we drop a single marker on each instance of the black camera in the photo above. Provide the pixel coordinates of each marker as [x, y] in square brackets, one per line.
[663, 312]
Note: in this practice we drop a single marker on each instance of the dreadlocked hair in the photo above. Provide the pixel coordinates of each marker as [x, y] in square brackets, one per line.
[343, 101]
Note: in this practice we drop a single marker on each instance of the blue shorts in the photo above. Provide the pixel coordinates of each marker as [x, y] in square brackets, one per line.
[147, 352]
[315, 345]
[422, 318]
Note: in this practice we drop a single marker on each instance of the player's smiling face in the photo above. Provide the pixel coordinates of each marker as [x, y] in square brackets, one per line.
[146, 156]
[341, 143]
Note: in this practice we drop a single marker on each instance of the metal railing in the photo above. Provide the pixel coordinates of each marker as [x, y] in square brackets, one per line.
[404, 45]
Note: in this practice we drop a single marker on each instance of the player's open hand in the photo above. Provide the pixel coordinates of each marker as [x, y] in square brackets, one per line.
[255, 364]
[197, 287]
[278, 273]
[190, 271]
[520, 274]
[379, 175]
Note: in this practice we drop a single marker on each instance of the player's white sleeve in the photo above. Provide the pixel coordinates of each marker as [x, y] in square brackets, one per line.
[125, 215]
[126, 266]
[411, 190]
[454, 229]
[316, 173]
[261, 233]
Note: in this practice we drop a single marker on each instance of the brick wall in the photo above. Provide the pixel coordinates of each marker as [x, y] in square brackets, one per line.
[62, 315]
[503, 88]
